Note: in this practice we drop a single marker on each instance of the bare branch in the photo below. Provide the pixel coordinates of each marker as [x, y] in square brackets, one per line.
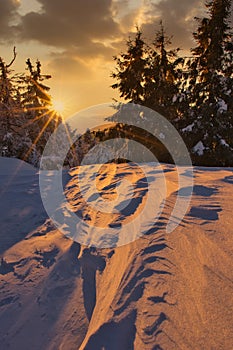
[13, 60]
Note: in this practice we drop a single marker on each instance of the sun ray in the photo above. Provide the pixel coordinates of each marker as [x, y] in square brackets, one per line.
[38, 117]
[42, 90]
[71, 143]
[39, 135]
[36, 108]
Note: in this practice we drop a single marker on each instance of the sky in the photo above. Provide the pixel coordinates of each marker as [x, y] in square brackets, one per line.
[75, 40]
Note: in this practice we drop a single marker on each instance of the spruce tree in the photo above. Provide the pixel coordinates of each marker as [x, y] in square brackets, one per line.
[26, 117]
[12, 138]
[162, 76]
[209, 121]
[130, 70]
[150, 74]
[41, 119]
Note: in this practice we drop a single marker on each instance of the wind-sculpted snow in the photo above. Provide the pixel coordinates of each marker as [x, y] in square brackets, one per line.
[161, 291]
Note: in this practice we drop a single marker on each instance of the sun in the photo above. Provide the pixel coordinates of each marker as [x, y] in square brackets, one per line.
[58, 106]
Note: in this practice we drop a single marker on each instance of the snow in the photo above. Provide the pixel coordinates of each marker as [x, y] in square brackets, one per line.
[11, 165]
[224, 143]
[164, 291]
[188, 128]
[199, 148]
[223, 107]
[180, 97]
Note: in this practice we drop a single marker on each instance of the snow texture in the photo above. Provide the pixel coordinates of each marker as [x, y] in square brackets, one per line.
[163, 291]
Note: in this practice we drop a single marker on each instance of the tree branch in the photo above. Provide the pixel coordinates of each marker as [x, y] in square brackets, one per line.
[13, 60]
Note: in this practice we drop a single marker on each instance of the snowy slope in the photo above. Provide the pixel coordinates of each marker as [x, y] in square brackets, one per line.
[163, 291]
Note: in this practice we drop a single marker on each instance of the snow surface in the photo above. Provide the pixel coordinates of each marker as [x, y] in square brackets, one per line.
[163, 291]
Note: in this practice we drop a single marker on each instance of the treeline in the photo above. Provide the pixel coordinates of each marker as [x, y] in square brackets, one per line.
[194, 93]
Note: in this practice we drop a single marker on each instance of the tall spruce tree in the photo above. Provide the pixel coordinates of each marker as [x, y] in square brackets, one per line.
[209, 121]
[130, 70]
[162, 76]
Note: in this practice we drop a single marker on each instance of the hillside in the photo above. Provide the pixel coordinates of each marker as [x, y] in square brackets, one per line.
[161, 291]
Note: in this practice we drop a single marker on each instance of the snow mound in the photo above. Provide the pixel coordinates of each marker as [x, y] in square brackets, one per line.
[162, 291]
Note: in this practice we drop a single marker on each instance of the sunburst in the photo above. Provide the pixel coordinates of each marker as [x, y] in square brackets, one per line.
[58, 106]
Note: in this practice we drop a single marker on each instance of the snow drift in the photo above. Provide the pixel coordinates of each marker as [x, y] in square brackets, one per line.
[163, 291]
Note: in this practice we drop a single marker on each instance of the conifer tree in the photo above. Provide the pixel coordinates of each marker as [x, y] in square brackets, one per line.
[209, 122]
[41, 119]
[130, 70]
[26, 116]
[150, 75]
[162, 76]
[11, 111]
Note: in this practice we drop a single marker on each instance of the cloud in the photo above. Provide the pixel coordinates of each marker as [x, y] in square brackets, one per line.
[92, 27]
[69, 66]
[126, 14]
[81, 62]
[85, 29]
[8, 13]
[70, 23]
[178, 20]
